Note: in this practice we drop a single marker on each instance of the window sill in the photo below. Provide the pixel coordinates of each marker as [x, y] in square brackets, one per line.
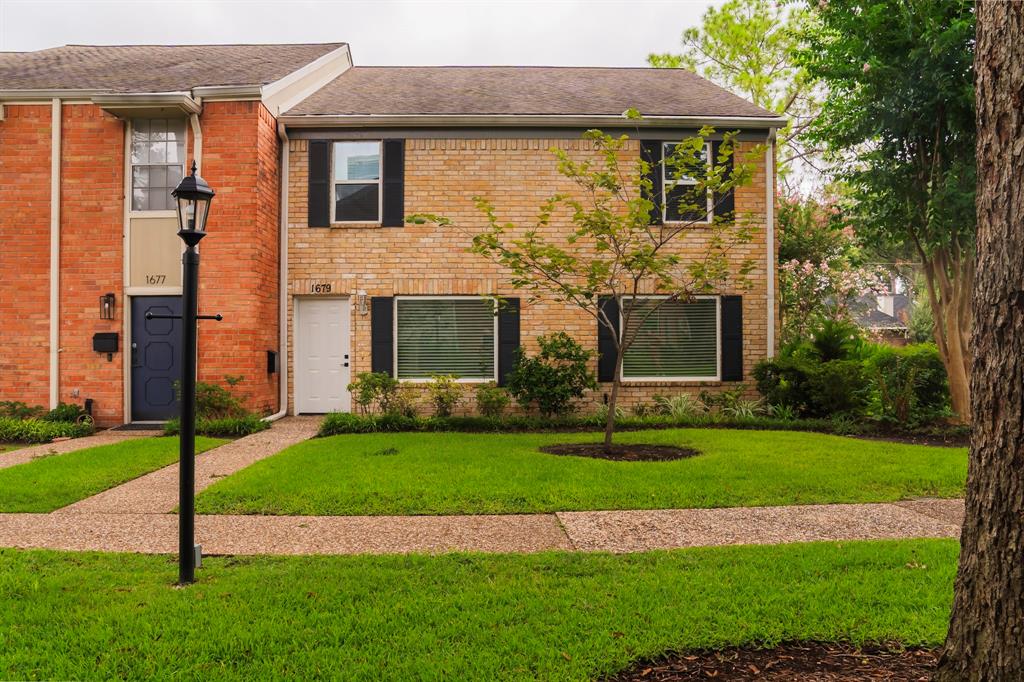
[356, 225]
[670, 382]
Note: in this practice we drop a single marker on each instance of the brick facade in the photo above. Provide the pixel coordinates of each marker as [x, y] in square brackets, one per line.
[442, 176]
[25, 257]
[239, 276]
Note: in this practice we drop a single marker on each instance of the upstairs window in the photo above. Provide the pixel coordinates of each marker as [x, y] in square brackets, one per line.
[356, 182]
[681, 189]
[158, 161]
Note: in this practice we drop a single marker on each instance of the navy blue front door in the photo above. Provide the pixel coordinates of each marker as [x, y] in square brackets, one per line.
[156, 358]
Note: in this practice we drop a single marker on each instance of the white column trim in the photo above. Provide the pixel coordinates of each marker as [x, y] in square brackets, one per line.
[769, 199]
[55, 153]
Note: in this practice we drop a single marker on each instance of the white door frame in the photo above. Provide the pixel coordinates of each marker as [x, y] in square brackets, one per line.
[345, 348]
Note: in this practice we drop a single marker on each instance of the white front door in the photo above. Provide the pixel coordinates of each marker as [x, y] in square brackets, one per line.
[322, 355]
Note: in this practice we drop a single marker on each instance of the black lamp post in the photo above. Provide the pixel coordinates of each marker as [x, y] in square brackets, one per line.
[193, 198]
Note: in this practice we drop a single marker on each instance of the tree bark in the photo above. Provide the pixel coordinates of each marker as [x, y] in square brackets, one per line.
[986, 633]
[950, 300]
[609, 424]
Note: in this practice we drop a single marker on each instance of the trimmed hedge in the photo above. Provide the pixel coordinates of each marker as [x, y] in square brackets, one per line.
[226, 427]
[35, 430]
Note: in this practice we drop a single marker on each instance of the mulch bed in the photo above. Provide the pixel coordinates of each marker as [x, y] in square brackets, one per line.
[820, 662]
[622, 453]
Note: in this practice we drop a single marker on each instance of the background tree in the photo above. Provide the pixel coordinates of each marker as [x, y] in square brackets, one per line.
[748, 46]
[899, 113]
[822, 271]
[986, 633]
[613, 248]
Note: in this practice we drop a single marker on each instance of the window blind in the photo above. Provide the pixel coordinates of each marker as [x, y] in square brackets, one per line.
[445, 337]
[678, 340]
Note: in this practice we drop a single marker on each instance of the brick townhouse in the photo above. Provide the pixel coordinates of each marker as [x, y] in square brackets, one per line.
[316, 163]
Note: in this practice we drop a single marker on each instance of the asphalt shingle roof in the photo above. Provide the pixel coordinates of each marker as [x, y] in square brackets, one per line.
[526, 90]
[153, 68]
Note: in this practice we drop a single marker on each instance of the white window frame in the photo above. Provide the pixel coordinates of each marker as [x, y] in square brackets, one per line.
[691, 182]
[718, 344]
[380, 184]
[146, 213]
[394, 336]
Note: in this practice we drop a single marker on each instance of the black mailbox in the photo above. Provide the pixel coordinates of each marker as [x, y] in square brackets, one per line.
[105, 342]
[271, 362]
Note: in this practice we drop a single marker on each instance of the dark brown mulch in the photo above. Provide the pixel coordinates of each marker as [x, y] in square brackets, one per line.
[622, 453]
[811, 661]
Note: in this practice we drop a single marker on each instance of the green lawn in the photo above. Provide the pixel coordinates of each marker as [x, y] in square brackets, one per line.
[556, 616]
[460, 473]
[49, 483]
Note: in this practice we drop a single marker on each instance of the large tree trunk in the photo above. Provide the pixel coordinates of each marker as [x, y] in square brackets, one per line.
[986, 633]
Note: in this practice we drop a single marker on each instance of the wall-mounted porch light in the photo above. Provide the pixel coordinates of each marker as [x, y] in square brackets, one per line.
[107, 305]
[361, 302]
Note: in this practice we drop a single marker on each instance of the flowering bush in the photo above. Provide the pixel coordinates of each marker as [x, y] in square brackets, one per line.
[821, 271]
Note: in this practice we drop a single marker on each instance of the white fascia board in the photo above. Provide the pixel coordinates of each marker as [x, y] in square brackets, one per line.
[48, 95]
[285, 93]
[514, 120]
[119, 103]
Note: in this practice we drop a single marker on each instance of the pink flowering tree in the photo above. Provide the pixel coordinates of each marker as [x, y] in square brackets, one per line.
[822, 275]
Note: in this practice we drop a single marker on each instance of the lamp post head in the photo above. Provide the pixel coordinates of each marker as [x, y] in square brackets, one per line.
[193, 197]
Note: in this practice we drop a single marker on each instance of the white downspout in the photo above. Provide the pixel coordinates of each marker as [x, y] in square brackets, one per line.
[769, 199]
[197, 143]
[282, 285]
[55, 149]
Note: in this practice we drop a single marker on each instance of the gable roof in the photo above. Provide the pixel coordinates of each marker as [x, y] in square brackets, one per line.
[154, 68]
[522, 90]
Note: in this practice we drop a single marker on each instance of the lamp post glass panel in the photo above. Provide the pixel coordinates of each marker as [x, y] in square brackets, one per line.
[193, 198]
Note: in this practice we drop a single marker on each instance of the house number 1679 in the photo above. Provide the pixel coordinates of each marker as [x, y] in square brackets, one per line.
[321, 288]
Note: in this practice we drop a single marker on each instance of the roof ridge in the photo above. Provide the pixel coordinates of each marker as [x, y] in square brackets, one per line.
[339, 44]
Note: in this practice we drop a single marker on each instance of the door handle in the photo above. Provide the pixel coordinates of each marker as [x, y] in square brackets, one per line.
[135, 354]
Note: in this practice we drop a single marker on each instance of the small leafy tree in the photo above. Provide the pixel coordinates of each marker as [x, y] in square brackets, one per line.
[612, 247]
[445, 392]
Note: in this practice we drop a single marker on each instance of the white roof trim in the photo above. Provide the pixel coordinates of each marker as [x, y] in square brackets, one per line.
[121, 103]
[527, 120]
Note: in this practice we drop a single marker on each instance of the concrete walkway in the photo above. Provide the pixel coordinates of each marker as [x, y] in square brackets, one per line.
[31, 452]
[157, 492]
[612, 531]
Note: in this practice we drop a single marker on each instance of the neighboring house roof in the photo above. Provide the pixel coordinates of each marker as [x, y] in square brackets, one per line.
[522, 90]
[873, 318]
[154, 68]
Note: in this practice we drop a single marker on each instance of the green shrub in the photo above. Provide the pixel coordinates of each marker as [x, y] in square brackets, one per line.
[553, 379]
[835, 340]
[838, 387]
[909, 383]
[213, 401]
[491, 400]
[224, 427]
[33, 430]
[601, 413]
[374, 391]
[445, 393]
[65, 412]
[19, 410]
[682, 406]
[346, 422]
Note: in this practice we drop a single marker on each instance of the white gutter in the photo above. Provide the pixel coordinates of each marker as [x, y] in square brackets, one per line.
[55, 152]
[769, 199]
[504, 120]
[282, 285]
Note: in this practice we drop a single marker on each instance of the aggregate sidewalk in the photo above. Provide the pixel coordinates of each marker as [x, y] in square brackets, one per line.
[31, 452]
[611, 531]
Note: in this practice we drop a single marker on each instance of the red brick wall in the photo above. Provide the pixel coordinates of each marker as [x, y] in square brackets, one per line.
[25, 256]
[92, 256]
[239, 271]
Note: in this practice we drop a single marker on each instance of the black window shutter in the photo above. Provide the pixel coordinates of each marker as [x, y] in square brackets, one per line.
[382, 334]
[606, 355]
[393, 214]
[724, 202]
[319, 209]
[508, 337]
[732, 338]
[650, 151]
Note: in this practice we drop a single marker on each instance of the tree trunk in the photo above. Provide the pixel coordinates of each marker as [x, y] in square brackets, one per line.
[950, 300]
[609, 422]
[986, 632]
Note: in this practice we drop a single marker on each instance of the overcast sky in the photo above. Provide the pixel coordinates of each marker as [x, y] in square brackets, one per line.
[555, 32]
